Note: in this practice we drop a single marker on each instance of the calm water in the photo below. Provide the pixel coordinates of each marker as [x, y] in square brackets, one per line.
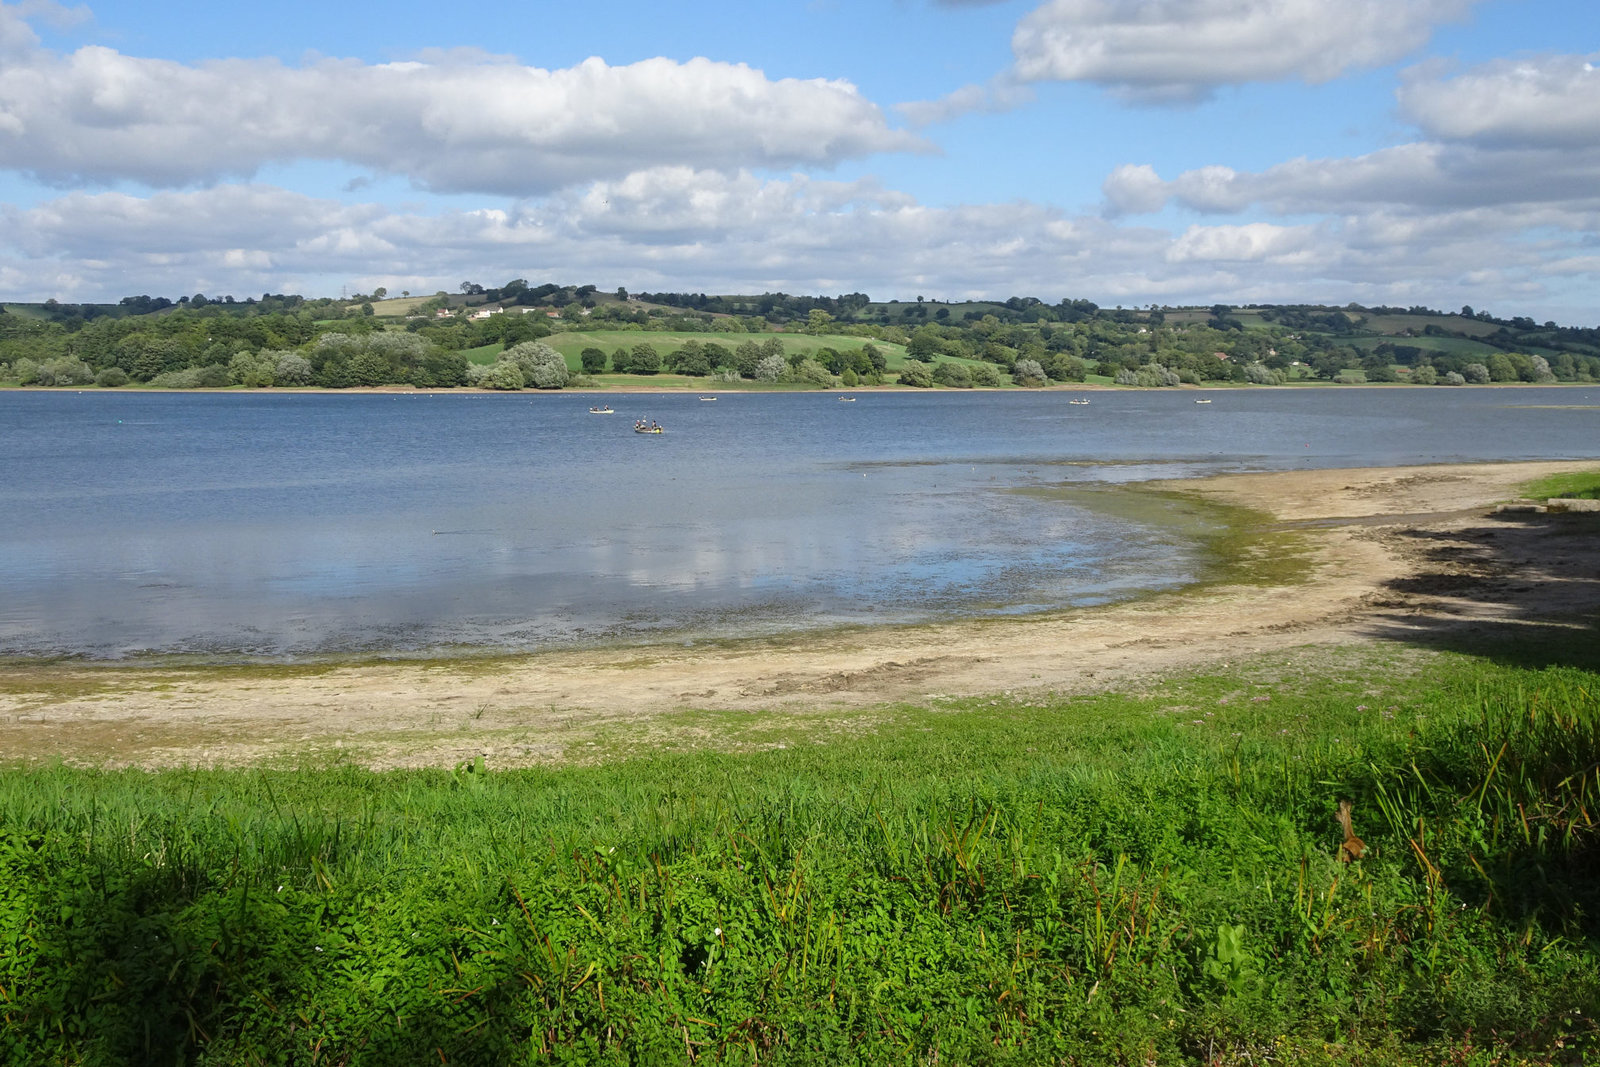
[292, 525]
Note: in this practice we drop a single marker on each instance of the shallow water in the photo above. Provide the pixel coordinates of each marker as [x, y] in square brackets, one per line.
[294, 525]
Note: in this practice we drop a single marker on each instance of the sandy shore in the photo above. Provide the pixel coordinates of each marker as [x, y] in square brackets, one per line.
[1409, 554]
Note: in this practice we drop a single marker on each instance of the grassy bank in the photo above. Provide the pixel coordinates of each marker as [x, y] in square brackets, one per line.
[1584, 485]
[1131, 878]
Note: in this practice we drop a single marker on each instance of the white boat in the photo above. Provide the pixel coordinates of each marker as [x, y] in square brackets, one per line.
[847, 400]
[602, 411]
[708, 398]
[1078, 400]
[1202, 401]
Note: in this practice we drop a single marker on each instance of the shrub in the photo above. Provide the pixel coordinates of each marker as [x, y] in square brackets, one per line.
[65, 371]
[985, 375]
[1476, 373]
[770, 368]
[916, 373]
[1261, 374]
[1425, 375]
[1452, 378]
[290, 368]
[953, 375]
[1155, 375]
[813, 373]
[501, 374]
[540, 365]
[1028, 372]
[111, 378]
[187, 378]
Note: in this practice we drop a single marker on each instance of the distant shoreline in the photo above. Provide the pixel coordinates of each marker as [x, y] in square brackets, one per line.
[735, 390]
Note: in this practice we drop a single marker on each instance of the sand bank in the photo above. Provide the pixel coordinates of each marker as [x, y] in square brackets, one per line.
[1408, 554]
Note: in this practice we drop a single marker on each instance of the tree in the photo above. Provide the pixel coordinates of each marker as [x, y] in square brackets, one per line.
[1028, 372]
[644, 359]
[593, 360]
[770, 368]
[542, 366]
[818, 321]
[291, 368]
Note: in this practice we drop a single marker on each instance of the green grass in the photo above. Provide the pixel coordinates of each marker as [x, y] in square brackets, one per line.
[1126, 878]
[1454, 346]
[486, 354]
[1582, 485]
[1399, 324]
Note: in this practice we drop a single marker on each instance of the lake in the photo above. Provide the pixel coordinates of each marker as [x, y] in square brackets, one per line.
[293, 525]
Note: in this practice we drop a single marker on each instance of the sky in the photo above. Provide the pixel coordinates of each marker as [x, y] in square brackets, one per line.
[1129, 152]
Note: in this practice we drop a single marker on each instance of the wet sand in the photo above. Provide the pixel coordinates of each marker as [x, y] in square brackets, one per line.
[1413, 555]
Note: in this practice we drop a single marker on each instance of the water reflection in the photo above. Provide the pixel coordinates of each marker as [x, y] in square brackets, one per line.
[292, 525]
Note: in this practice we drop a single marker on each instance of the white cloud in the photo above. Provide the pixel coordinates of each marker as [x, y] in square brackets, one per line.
[674, 228]
[1134, 189]
[462, 123]
[1182, 50]
[1253, 242]
[1548, 101]
[1424, 176]
[1003, 93]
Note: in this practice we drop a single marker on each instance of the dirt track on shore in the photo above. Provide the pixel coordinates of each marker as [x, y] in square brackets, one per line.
[1406, 553]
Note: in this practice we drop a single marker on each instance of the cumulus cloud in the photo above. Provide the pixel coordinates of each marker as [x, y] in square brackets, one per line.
[1253, 242]
[675, 228]
[1182, 50]
[460, 123]
[1134, 189]
[1548, 101]
[1423, 176]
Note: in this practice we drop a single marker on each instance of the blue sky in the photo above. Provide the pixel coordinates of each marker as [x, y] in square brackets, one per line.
[1437, 152]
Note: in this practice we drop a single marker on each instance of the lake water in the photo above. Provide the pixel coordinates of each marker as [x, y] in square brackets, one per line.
[293, 525]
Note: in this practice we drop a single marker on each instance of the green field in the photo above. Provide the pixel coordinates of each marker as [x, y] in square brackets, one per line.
[1151, 877]
[1454, 346]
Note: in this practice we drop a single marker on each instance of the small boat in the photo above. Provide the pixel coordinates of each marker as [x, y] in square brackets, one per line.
[708, 398]
[602, 411]
[647, 427]
[1078, 400]
[1202, 401]
[847, 400]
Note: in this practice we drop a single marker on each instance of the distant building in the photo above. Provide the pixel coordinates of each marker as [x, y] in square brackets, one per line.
[485, 312]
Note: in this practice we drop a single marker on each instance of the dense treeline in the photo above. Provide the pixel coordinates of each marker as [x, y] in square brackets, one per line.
[288, 340]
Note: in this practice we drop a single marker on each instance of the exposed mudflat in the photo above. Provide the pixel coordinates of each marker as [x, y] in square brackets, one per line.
[1409, 554]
